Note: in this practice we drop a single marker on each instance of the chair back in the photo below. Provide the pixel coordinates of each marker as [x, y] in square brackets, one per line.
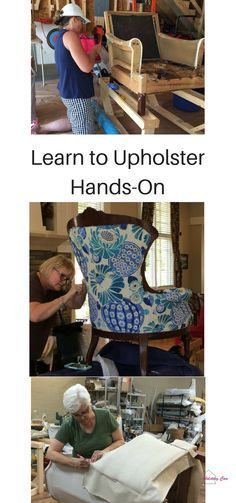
[111, 252]
[128, 25]
[155, 45]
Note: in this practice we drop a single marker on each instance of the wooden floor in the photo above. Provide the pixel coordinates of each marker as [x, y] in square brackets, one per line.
[43, 498]
[49, 107]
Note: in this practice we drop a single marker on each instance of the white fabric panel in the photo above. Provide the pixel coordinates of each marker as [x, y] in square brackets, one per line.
[141, 471]
[66, 485]
[108, 366]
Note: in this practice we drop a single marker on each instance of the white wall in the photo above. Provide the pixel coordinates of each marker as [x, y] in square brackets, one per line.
[47, 392]
[48, 53]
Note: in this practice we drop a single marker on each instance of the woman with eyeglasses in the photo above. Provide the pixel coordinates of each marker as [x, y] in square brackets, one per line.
[74, 67]
[51, 289]
[91, 432]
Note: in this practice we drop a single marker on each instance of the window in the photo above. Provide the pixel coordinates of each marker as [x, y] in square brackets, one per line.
[160, 259]
[83, 312]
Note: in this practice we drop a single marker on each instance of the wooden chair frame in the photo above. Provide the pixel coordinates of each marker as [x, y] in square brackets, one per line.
[179, 68]
[91, 217]
[174, 50]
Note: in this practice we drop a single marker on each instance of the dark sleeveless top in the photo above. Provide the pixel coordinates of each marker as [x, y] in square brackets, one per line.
[73, 83]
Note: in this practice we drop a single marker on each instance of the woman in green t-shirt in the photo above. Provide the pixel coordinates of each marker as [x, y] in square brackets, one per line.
[91, 432]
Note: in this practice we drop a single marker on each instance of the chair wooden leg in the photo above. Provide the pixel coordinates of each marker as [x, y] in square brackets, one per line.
[92, 347]
[186, 338]
[141, 104]
[143, 353]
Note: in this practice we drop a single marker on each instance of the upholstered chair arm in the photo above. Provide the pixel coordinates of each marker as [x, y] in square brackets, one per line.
[184, 52]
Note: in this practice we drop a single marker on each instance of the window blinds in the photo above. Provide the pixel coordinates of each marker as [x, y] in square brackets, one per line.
[160, 259]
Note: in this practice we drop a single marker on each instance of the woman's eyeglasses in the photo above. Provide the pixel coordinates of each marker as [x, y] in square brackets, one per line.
[81, 19]
[63, 277]
[82, 413]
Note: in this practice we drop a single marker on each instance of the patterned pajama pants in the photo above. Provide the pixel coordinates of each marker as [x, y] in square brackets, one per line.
[80, 115]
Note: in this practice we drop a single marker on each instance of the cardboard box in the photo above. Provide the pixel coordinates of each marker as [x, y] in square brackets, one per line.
[176, 433]
[154, 428]
[125, 386]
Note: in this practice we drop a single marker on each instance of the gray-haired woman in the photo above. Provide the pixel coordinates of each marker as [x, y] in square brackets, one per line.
[91, 432]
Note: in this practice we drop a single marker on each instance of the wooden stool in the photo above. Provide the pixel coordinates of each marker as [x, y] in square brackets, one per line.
[37, 484]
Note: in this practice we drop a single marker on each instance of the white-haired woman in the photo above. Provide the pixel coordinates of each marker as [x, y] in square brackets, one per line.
[51, 289]
[91, 432]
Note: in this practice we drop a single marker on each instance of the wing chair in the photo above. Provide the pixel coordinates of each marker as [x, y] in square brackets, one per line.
[111, 252]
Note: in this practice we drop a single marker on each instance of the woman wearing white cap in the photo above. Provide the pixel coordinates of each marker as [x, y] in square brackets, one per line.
[91, 432]
[74, 66]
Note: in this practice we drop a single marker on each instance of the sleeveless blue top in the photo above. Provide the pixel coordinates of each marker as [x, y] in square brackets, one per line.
[73, 83]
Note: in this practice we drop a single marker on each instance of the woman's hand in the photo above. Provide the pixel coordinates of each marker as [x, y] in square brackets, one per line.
[97, 49]
[94, 54]
[75, 297]
[96, 455]
[74, 290]
[80, 463]
[54, 453]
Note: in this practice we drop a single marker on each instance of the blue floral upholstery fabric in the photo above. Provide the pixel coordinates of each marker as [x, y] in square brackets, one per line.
[110, 258]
